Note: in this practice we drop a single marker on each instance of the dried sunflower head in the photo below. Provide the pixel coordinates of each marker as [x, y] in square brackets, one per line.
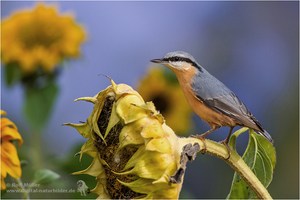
[135, 154]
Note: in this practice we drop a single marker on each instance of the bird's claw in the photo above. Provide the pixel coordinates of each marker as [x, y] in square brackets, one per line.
[225, 142]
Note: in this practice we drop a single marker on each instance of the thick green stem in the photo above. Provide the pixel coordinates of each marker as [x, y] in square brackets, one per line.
[36, 150]
[24, 190]
[234, 160]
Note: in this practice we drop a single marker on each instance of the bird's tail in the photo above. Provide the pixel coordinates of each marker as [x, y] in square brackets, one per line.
[266, 135]
[261, 130]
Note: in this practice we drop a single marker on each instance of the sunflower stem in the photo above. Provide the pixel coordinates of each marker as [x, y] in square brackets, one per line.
[23, 189]
[234, 160]
[36, 150]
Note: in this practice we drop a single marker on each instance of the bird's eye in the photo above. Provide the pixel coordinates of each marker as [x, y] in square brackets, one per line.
[174, 59]
[177, 59]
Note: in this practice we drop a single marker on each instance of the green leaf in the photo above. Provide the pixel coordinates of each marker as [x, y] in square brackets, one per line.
[12, 73]
[45, 176]
[235, 135]
[260, 156]
[39, 103]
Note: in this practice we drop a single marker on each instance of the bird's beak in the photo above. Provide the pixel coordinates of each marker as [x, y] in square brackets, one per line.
[157, 60]
[162, 62]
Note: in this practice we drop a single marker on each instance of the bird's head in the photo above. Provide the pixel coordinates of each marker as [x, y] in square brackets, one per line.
[178, 61]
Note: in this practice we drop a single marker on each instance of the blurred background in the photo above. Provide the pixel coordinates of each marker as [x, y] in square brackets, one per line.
[253, 47]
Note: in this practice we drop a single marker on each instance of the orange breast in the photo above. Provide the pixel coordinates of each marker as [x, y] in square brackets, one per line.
[212, 117]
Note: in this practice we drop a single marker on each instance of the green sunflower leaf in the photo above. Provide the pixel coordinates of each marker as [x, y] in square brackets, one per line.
[45, 176]
[260, 156]
[39, 103]
[235, 135]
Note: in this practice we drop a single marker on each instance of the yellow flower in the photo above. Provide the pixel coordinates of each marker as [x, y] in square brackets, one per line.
[40, 37]
[167, 97]
[135, 154]
[10, 163]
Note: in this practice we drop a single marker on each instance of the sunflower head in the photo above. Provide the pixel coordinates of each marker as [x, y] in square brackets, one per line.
[135, 154]
[163, 90]
[10, 163]
[39, 38]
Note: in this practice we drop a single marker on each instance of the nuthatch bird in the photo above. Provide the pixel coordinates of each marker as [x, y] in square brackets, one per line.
[210, 99]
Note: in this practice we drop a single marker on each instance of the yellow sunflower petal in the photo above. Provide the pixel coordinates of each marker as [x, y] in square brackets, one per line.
[10, 159]
[3, 169]
[9, 131]
[95, 169]
[10, 163]
[3, 185]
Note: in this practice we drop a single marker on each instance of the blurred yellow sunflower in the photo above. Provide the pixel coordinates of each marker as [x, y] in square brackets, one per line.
[40, 37]
[167, 97]
[10, 163]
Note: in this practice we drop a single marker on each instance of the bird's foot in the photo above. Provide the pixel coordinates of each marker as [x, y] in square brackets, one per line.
[202, 138]
[225, 142]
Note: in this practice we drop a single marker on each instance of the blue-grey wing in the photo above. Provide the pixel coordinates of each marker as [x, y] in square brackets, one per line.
[221, 99]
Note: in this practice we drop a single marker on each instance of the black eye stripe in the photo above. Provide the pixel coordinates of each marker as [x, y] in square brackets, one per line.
[179, 59]
[182, 59]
